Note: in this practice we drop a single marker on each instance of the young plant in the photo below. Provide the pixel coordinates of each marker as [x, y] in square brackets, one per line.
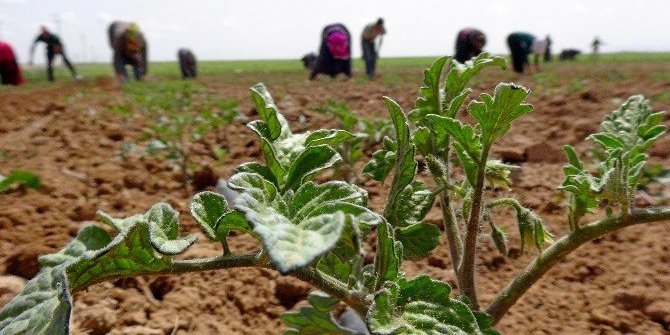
[315, 231]
[183, 115]
[368, 133]
[20, 178]
[438, 137]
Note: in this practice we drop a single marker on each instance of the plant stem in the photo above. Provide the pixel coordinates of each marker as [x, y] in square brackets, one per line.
[259, 260]
[557, 251]
[440, 174]
[466, 271]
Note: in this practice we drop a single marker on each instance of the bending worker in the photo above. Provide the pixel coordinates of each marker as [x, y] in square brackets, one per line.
[129, 47]
[370, 51]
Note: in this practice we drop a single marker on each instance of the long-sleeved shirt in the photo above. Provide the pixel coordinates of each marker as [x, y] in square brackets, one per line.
[52, 41]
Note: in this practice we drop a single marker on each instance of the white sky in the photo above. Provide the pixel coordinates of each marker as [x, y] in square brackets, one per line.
[260, 29]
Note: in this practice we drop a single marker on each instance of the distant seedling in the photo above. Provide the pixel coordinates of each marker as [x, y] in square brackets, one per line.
[19, 178]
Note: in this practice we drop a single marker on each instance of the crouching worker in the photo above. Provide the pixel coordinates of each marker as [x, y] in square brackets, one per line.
[335, 53]
[10, 72]
[469, 43]
[129, 48]
[521, 45]
[54, 48]
[187, 63]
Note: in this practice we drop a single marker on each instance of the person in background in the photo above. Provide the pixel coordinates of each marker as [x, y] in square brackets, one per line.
[539, 48]
[129, 48]
[547, 52]
[335, 52]
[520, 44]
[469, 43]
[595, 46]
[10, 72]
[54, 48]
[309, 60]
[371, 51]
[187, 63]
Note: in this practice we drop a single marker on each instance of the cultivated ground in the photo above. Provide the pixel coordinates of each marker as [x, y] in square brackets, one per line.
[69, 134]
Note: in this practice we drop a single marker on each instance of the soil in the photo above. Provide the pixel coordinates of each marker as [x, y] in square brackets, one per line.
[68, 134]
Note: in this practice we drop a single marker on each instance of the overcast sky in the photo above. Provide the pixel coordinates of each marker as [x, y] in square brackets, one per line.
[260, 29]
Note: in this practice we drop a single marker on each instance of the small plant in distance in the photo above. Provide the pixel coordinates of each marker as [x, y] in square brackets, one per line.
[183, 114]
[367, 134]
[315, 231]
[20, 178]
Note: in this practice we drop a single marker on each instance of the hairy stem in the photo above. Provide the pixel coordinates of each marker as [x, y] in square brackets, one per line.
[561, 248]
[310, 275]
[466, 271]
[448, 216]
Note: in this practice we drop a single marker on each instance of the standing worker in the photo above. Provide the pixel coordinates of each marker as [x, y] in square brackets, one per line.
[547, 51]
[469, 43]
[129, 47]
[187, 63]
[595, 45]
[370, 51]
[335, 52]
[521, 45]
[54, 47]
[10, 72]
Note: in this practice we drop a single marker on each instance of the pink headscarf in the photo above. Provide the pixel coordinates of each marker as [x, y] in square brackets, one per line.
[338, 44]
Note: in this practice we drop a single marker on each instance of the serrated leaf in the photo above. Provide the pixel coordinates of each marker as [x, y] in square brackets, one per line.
[143, 246]
[315, 319]
[19, 178]
[418, 240]
[423, 306]
[388, 257]
[333, 266]
[413, 203]
[429, 101]
[262, 170]
[381, 165]
[494, 114]
[464, 134]
[421, 138]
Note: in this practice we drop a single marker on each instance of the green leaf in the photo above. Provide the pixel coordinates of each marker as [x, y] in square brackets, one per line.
[298, 228]
[497, 174]
[328, 136]
[265, 106]
[459, 77]
[418, 240]
[259, 169]
[144, 245]
[531, 229]
[464, 134]
[429, 101]
[335, 267]
[422, 139]
[423, 306]
[19, 178]
[495, 114]
[315, 319]
[413, 203]
[381, 165]
[388, 257]
[311, 161]
[208, 208]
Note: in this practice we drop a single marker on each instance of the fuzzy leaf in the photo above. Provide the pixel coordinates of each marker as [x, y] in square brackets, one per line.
[311, 161]
[381, 164]
[423, 306]
[211, 211]
[333, 266]
[388, 257]
[413, 203]
[429, 101]
[328, 136]
[144, 245]
[298, 228]
[494, 114]
[315, 319]
[418, 240]
[266, 108]
[464, 134]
